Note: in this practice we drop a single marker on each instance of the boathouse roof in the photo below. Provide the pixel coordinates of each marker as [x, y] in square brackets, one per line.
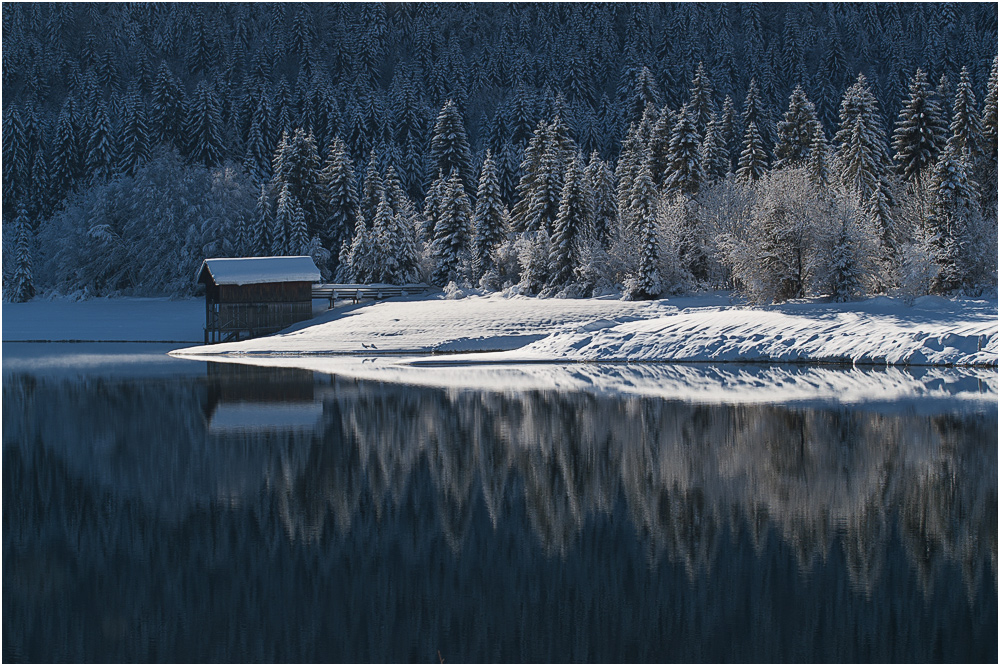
[258, 270]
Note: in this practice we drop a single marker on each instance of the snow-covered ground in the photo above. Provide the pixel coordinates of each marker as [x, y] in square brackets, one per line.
[878, 331]
[105, 320]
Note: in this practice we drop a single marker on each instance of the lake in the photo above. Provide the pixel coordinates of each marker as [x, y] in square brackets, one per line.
[157, 509]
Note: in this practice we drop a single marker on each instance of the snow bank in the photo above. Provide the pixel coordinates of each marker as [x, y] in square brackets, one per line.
[879, 331]
[106, 320]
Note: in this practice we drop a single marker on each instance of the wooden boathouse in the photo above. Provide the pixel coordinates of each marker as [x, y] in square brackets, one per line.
[254, 296]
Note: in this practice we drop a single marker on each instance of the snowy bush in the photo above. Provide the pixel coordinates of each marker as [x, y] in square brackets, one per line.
[145, 234]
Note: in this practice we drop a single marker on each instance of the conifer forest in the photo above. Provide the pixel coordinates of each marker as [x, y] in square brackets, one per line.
[780, 151]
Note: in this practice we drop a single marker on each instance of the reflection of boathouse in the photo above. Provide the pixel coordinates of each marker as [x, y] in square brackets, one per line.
[248, 398]
[255, 296]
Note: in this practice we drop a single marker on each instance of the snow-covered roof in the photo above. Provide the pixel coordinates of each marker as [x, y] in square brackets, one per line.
[258, 270]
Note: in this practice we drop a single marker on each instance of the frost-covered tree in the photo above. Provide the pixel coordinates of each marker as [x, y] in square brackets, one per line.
[954, 215]
[451, 231]
[645, 283]
[449, 145]
[337, 178]
[258, 154]
[488, 224]
[685, 172]
[135, 141]
[796, 131]
[966, 126]
[22, 286]
[100, 146]
[359, 263]
[167, 109]
[920, 130]
[701, 103]
[714, 153]
[297, 166]
[285, 215]
[862, 158]
[575, 213]
[67, 164]
[259, 233]
[753, 159]
[203, 128]
[601, 183]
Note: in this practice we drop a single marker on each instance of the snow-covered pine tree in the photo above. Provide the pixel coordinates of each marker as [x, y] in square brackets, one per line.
[685, 173]
[862, 158]
[986, 176]
[358, 264]
[167, 109]
[488, 229]
[601, 183]
[526, 185]
[451, 231]
[15, 157]
[818, 164]
[284, 216]
[796, 131]
[575, 214]
[372, 191]
[921, 131]
[714, 154]
[952, 214]
[966, 126]
[257, 157]
[731, 134]
[100, 146]
[203, 128]
[22, 285]
[701, 103]
[753, 159]
[298, 232]
[645, 284]
[400, 241]
[449, 145]
[135, 140]
[65, 157]
[754, 112]
[337, 177]
[259, 241]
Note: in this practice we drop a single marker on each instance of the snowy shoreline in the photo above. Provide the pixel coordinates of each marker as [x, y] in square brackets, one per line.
[498, 329]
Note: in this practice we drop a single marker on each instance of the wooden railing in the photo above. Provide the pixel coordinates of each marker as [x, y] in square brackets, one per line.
[359, 292]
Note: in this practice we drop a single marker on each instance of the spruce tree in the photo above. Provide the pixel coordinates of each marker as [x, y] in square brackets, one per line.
[920, 130]
[203, 128]
[342, 202]
[753, 159]
[989, 120]
[952, 213]
[100, 146]
[257, 157]
[818, 164]
[701, 104]
[685, 172]
[601, 182]
[451, 231]
[167, 109]
[449, 146]
[135, 140]
[372, 191]
[488, 222]
[260, 227]
[846, 274]
[796, 131]
[297, 165]
[731, 134]
[645, 284]
[575, 213]
[862, 158]
[714, 154]
[22, 284]
[281, 228]
[965, 122]
[66, 164]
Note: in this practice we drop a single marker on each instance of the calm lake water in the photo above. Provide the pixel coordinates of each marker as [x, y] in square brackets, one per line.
[164, 510]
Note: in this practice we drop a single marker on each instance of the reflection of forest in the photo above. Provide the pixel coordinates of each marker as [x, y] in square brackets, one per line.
[530, 526]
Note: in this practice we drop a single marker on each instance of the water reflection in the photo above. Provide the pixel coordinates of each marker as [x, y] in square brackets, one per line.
[256, 514]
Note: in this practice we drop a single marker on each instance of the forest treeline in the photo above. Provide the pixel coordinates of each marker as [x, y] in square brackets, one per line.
[781, 150]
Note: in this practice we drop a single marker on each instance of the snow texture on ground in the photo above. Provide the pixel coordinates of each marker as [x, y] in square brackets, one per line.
[106, 320]
[878, 331]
